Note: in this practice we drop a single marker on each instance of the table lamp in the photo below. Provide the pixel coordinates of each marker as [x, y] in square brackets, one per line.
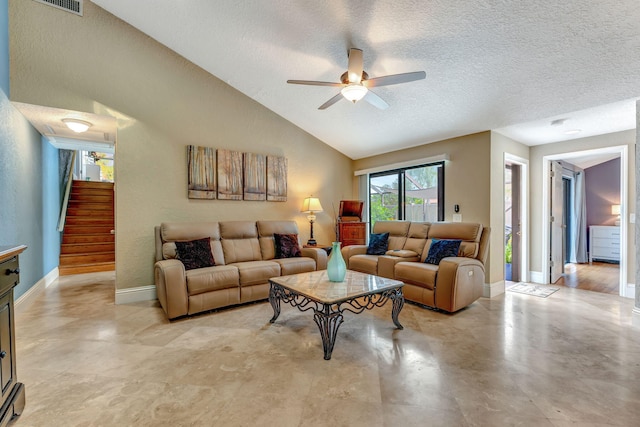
[311, 205]
[615, 210]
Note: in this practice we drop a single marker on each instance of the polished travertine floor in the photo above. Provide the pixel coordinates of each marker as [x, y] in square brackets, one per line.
[570, 359]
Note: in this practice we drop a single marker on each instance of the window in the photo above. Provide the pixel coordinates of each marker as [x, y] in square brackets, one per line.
[412, 194]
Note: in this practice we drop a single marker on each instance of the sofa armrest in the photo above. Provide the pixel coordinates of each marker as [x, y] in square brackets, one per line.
[171, 287]
[459, 282]
[387, 264]
[318, 254]
[349, 251]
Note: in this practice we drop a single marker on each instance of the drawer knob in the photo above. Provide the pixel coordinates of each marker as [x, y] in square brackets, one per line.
[10, 271]
[2, 354]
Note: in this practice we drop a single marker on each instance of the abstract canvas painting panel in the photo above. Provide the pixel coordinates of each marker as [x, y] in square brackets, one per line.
[201, 166]
[255, 176]
[229, 175]
[276, 179]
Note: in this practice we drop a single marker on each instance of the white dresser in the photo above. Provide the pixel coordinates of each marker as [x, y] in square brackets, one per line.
[604, 243]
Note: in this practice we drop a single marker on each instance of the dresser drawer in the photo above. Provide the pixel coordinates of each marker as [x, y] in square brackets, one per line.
[8, 274]
[606, 232]
[602, 242]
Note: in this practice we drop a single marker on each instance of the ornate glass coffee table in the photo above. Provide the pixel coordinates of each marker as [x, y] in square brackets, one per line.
[328, 300]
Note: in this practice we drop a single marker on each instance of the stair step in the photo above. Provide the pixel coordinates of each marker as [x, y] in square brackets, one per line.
[77, 259]
[84, 221]
[91, 184]
[86, 248]
[80, 197]
[88, 229]
[89, 212]
[87, 204]
[86, 268]
[75, 192]
[87, 238]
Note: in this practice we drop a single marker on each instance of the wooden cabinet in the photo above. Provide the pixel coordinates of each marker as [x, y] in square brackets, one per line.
[12, 400]
[352, 233]
[604, 243]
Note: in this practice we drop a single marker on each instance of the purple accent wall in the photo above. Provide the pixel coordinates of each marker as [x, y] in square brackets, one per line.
[602, 185]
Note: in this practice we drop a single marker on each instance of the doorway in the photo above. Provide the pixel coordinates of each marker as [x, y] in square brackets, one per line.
[565, 241]
[515, 219]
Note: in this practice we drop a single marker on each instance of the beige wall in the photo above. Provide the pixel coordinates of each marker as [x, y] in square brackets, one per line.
[467, 174]
[500, 146]
[625, 138]
[99, 64]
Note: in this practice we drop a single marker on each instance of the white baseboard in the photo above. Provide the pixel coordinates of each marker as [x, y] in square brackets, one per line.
[141, 293]
[491, 290]
[537, 277]
[39, 286]
[630, 291]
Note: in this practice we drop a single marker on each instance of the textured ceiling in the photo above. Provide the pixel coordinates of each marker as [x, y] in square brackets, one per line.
[490, 65]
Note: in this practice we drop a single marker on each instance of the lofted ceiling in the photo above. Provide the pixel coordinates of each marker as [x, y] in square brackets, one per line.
[491, 65]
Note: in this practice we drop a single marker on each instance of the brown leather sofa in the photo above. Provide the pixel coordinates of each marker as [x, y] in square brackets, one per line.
[244, 255]
[452, 285]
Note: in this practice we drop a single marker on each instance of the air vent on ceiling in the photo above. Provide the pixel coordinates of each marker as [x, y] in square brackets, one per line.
[73, 6]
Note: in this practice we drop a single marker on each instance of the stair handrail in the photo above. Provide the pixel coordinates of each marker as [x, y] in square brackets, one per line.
[67, 192]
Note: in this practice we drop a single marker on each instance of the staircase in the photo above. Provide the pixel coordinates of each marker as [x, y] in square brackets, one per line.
[87, 243]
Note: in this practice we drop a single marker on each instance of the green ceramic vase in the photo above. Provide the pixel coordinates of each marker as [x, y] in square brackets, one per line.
[336, 267]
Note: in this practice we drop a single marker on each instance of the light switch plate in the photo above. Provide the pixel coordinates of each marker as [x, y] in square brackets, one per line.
[457, 217]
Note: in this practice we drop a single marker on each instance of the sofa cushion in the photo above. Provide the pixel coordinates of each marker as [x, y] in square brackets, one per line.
[397, 232]
[295, 265]
[257, 272]
[440, 249]
[364, 263]
[378, 244]
[401, 253]
[417, 273]
[195, 253]
[286, 245]
[212, 279]
[266, 231]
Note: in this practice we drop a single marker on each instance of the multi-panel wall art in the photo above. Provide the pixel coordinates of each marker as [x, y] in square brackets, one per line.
[233, 175]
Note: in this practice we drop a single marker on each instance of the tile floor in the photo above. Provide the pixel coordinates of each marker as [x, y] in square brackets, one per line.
[570, 359]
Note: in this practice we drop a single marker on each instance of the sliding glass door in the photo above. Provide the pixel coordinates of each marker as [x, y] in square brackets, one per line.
[412, 194]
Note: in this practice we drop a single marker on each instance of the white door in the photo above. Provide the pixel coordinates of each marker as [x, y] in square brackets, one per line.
[556, 222]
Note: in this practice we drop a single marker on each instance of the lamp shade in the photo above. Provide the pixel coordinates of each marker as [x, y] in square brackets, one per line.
[311, 204]
[354, 93]
[615, 209]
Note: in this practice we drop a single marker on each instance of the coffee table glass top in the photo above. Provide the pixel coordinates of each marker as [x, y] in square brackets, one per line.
[316, 285]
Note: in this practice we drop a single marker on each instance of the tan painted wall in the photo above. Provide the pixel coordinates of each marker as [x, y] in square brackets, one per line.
[100, 64]
[467, 174]
[500, 146]
[538, 152]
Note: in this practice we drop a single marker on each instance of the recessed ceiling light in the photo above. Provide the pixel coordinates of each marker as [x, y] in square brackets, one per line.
[76, 125]
[572, 131]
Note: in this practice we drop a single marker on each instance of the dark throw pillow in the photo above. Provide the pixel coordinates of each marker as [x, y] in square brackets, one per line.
[195, 253]
[378, 244]
[441, 249]
[287, 245]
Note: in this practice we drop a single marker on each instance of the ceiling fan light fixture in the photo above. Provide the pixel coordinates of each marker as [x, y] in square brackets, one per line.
[78, 126]
[354, 93]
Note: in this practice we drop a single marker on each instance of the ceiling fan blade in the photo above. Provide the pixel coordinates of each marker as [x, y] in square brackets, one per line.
[395, 79]
[314, 83]
[376, 101]
[330, 102]
[355, 66]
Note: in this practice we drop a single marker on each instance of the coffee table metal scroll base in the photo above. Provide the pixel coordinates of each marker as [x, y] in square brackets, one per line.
[329, 317]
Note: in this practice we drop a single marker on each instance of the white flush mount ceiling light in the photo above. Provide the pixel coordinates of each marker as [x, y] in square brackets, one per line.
[354, 93]
[572, 131]
[76, 125]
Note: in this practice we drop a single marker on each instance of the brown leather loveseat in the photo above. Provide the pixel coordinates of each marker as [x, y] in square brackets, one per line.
[244, 253]
[451, 285]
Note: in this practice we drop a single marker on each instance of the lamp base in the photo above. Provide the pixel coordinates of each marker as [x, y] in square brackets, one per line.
[312, 242]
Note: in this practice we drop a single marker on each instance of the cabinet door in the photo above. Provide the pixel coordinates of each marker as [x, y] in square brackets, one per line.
[6, 361]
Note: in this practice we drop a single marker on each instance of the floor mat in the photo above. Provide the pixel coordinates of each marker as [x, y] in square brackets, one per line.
[532, 289]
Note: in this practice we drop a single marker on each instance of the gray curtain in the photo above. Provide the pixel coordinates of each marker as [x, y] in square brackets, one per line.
[65, 161]
[579, 232]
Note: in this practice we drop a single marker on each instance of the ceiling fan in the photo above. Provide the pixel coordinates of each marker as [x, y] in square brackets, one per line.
[355, 83]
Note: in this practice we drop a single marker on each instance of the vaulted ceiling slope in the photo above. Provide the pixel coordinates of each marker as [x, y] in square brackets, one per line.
[489, 64]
